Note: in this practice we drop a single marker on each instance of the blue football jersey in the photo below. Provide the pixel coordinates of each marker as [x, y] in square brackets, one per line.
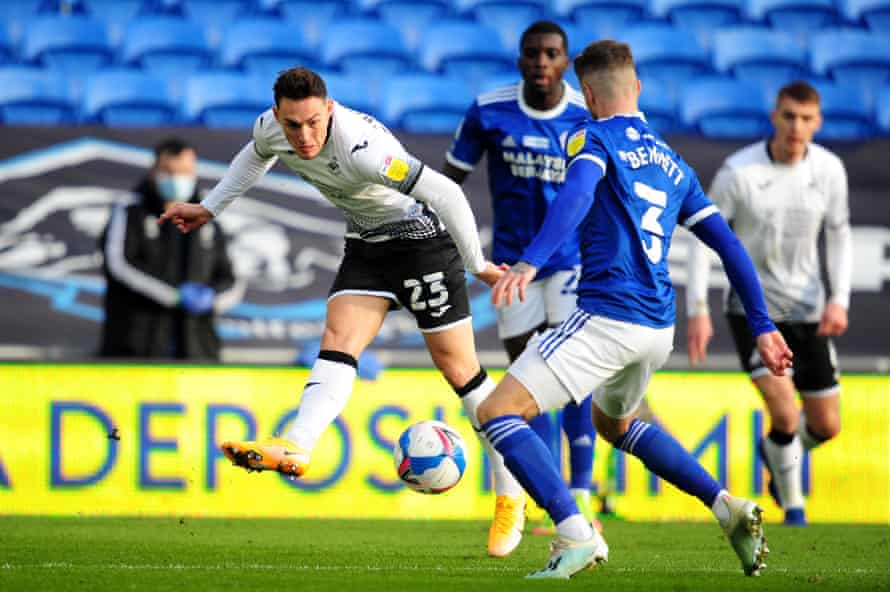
[526, 165]
[625, 237]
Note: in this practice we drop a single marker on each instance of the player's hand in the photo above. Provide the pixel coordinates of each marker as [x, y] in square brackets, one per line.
[492, 273]
[186, 216]
[774, 352]
[517, 277]
[699, 331]
[834, 320]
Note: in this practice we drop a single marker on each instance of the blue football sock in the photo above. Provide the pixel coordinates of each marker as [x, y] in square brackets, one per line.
[532, 464]
[667, 458]
[577, 422]
[543, 427]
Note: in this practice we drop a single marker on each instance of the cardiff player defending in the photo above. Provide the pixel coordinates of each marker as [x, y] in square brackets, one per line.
[625, 191]
[779, 193]
[522, 128]
[398, 252]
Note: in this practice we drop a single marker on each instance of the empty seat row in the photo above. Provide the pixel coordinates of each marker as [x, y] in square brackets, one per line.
[714, 106]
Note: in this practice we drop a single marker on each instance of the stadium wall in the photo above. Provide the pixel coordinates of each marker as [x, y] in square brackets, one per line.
[142, 440]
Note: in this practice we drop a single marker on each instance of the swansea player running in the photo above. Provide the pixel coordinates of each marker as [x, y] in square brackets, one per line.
[410, 235]
[779, 193]
[522, 128]
[625, 191]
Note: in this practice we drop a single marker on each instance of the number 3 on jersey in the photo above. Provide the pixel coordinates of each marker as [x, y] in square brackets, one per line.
[650, 223]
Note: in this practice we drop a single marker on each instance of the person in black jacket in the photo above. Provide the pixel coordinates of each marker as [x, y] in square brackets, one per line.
[163, 287]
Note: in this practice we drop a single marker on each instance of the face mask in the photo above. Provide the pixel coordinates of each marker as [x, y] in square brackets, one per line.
[175, 187]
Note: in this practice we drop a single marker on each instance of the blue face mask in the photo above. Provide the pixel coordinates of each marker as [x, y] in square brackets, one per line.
[175, 187]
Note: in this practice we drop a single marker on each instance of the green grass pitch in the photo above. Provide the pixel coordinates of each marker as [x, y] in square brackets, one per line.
[309, 555]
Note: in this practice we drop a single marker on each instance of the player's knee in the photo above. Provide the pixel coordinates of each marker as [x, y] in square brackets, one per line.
[824, 428]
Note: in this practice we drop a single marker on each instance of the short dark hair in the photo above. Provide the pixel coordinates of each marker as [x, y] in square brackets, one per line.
[299, 83]
[544, 28]
[799, 91]
[171, 146]
[603, 55]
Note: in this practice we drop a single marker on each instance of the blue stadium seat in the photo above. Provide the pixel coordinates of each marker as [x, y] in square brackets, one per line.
[75, 45]
[617, 12]
[32, 96]
[313, 16]
[425, 103]
[7, 51]
[264, 47]
[364, 46]
[116, 14]
[225, 100]
[508, 17]
[798, 17]
[658, 102]
[125, 98]
[411, 17]
[882, 113]
[352, 91]
[63, 7]
[272, 9]
[170, 8]
[760, 55]
[874, 13]
[845, 113]
[496, 81]
[215, 16]
[465, 50]
[700, 16]
[851, 57]
[166, 45]
[666, 53]
[14, 15]
[724, 108]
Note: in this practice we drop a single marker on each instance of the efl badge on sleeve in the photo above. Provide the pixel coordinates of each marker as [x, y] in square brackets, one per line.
[576, 142]
[395, 169]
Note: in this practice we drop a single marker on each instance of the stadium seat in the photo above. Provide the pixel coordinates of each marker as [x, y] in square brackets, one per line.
[724, 108]
[33, 96]
[464, 50]
[666, 53]
[700, 16]
[124, 98]
[874, 13]
[313, 16]
[365, 46]
[425, 103]
[851, 57]
[798, 17]
[225, 100]
[7, 51]
[845, 113]
[496, 81]
[411, 17]
[264, 47]
[882, 112]
[352, 91]
[171, 8]
[63, 7]
[116, 14]
[618, 12]
[75, 45]
[166, 45]
[215, 16]
[758, 54]
[509, 18]
[658, 103]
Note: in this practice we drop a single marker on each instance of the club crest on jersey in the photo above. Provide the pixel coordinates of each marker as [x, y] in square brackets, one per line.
[334, 166]
[632, 134]
[395, 169]
[576, 142]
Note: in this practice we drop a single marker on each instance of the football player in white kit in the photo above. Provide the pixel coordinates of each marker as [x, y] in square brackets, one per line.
[779, 193]
[410, 235]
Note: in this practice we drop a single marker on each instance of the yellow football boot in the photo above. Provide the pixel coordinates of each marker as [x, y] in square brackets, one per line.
[506, 529]
[271, 454]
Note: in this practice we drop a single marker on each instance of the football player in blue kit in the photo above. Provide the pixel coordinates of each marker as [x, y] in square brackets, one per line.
[522, 127]
[625, 191]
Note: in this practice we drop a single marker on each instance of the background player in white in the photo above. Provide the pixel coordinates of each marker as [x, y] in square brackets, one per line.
[778, 194]
[522, 128]
[398, 252]
[625, 191]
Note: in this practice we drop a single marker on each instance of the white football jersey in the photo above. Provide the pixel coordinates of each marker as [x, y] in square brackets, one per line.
[777, 211]
[363, 170]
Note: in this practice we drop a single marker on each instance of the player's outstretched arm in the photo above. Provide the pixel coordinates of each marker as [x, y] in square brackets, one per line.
[186, 216]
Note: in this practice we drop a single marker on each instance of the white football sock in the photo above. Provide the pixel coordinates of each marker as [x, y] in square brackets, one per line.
[324, 398]
[504, 481]
[720, 509]
[575, 527]
[787, 464]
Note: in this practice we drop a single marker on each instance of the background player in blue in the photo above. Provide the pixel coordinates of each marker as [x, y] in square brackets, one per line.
[522, 128]
[625, 191]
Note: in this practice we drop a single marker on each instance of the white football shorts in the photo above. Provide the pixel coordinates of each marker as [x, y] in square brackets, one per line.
[587, 354]
[550, 300]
